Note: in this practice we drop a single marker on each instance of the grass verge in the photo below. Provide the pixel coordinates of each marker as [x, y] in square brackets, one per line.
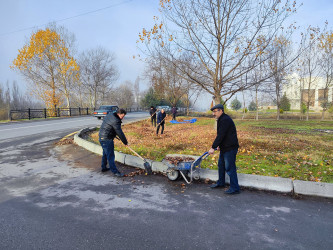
[301, 150]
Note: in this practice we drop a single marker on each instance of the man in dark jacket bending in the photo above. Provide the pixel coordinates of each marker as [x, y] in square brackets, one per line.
[226, 140]
[110, 128]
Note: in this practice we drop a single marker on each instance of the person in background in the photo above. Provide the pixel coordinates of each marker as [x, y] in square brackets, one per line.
[227, 142]
[152, 113]
[161, 121]
[174, 112]
[110, 128]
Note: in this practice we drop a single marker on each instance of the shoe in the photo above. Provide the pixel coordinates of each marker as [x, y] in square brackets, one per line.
[217, 186]
[118, 174]
[230, 191]
[105, 169]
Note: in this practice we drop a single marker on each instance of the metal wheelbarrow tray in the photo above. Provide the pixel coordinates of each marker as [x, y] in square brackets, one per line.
[183, 168]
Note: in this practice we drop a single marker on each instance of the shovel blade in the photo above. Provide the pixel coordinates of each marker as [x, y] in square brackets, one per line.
[148, 168]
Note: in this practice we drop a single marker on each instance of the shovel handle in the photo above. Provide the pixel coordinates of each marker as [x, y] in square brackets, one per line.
[133, 151]
[161, 121]
[136, 153]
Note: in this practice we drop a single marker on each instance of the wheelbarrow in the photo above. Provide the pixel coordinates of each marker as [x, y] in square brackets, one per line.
[189, 170]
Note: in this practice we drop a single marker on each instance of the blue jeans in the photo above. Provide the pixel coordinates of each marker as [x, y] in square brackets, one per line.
[158, 128]
[108, 155]
[227, 163]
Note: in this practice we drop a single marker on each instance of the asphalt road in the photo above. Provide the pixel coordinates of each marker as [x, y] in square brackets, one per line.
[55, 197]
[34, 127]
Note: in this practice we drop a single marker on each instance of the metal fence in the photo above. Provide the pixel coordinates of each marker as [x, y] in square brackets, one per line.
[48, 113]
[58, 112]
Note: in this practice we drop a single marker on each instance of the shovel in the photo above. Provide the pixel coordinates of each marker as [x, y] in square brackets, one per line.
[146, 164]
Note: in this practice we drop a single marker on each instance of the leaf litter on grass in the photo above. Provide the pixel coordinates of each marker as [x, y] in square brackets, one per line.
[271, 148]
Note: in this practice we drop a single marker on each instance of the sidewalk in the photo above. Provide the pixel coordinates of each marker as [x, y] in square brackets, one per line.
[277, 184]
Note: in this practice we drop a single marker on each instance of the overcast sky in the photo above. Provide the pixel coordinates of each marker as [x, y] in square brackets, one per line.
[113, 24]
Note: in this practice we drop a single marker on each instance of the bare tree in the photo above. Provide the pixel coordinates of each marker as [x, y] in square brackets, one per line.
[123, 95]
[221, 36]
[98, 73]
[326, 64]
[166, 80]
[277, 64]
[309, 68]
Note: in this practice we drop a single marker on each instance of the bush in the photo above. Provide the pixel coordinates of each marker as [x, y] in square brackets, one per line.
[252, 106]
[285, 103]
[303, 108]
[330, 108]
[235, 104]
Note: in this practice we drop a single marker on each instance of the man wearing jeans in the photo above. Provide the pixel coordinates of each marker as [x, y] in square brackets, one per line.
[110, 128]
[226, 140]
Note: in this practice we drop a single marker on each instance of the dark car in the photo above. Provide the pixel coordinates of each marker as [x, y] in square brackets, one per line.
[104, 110]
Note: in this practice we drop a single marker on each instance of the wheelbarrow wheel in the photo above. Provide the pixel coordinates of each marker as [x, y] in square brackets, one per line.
[173, 174]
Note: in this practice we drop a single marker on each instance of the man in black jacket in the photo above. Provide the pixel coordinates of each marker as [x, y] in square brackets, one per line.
[152, 113]
[110, 128]
[226, 140]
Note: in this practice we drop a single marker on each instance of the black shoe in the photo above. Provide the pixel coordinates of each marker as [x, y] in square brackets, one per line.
[105, 169]
[118, 174]
[217, 186]
[230, 191]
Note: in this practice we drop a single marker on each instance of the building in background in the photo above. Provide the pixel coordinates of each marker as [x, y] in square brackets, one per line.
[316, 92]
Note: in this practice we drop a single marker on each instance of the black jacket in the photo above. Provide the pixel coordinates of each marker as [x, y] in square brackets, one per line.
[152, 112]
[160, 117]
[111, 127]
[226, 137]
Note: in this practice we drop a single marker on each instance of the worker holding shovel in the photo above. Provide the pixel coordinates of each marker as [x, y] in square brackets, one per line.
[110, 128]
[160, 121]
[152, 113]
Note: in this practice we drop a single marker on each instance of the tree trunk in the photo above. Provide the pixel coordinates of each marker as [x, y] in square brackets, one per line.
[323, 115]
[257, 109]
[243, 106]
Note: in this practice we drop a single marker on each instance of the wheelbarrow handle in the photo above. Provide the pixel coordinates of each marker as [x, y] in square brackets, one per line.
[205, 155]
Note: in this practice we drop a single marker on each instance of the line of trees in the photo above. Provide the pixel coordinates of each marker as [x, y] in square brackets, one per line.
[228, 47]
[11, 97]
[59, 76]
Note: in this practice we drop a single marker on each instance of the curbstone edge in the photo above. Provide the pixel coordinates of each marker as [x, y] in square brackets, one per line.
[278, 184]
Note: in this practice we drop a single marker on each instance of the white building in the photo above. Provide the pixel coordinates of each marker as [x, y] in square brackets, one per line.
[297, 88]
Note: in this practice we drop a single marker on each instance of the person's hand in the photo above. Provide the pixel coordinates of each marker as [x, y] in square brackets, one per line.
[211, 151]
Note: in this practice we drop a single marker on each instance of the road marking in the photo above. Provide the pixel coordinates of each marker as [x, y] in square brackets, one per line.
[51, 124]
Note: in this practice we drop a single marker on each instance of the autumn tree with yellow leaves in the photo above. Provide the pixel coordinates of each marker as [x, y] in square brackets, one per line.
[45, 61]
[220, 35]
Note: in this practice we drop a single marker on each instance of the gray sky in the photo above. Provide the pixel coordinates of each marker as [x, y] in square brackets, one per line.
[115, 27]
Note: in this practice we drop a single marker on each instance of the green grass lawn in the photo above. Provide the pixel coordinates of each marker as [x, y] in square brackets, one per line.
[301, 150]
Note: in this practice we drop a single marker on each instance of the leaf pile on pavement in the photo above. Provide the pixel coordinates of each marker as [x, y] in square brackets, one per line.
[65, 142]
[138, 172]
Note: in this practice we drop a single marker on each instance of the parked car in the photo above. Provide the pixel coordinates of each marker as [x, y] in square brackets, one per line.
[166, 108]
[104, 110]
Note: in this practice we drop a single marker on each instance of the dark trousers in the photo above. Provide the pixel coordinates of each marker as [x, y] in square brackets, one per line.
[227, 163]
[158, 128]
[173, 116]
[153, 120]
[108, 155]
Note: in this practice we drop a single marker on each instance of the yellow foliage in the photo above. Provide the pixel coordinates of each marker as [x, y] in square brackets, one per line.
[46, 49]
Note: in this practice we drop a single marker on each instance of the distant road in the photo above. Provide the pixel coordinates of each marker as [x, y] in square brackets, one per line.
[26, 128]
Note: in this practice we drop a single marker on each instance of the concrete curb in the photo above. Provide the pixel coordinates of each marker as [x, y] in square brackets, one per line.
[277, 184]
